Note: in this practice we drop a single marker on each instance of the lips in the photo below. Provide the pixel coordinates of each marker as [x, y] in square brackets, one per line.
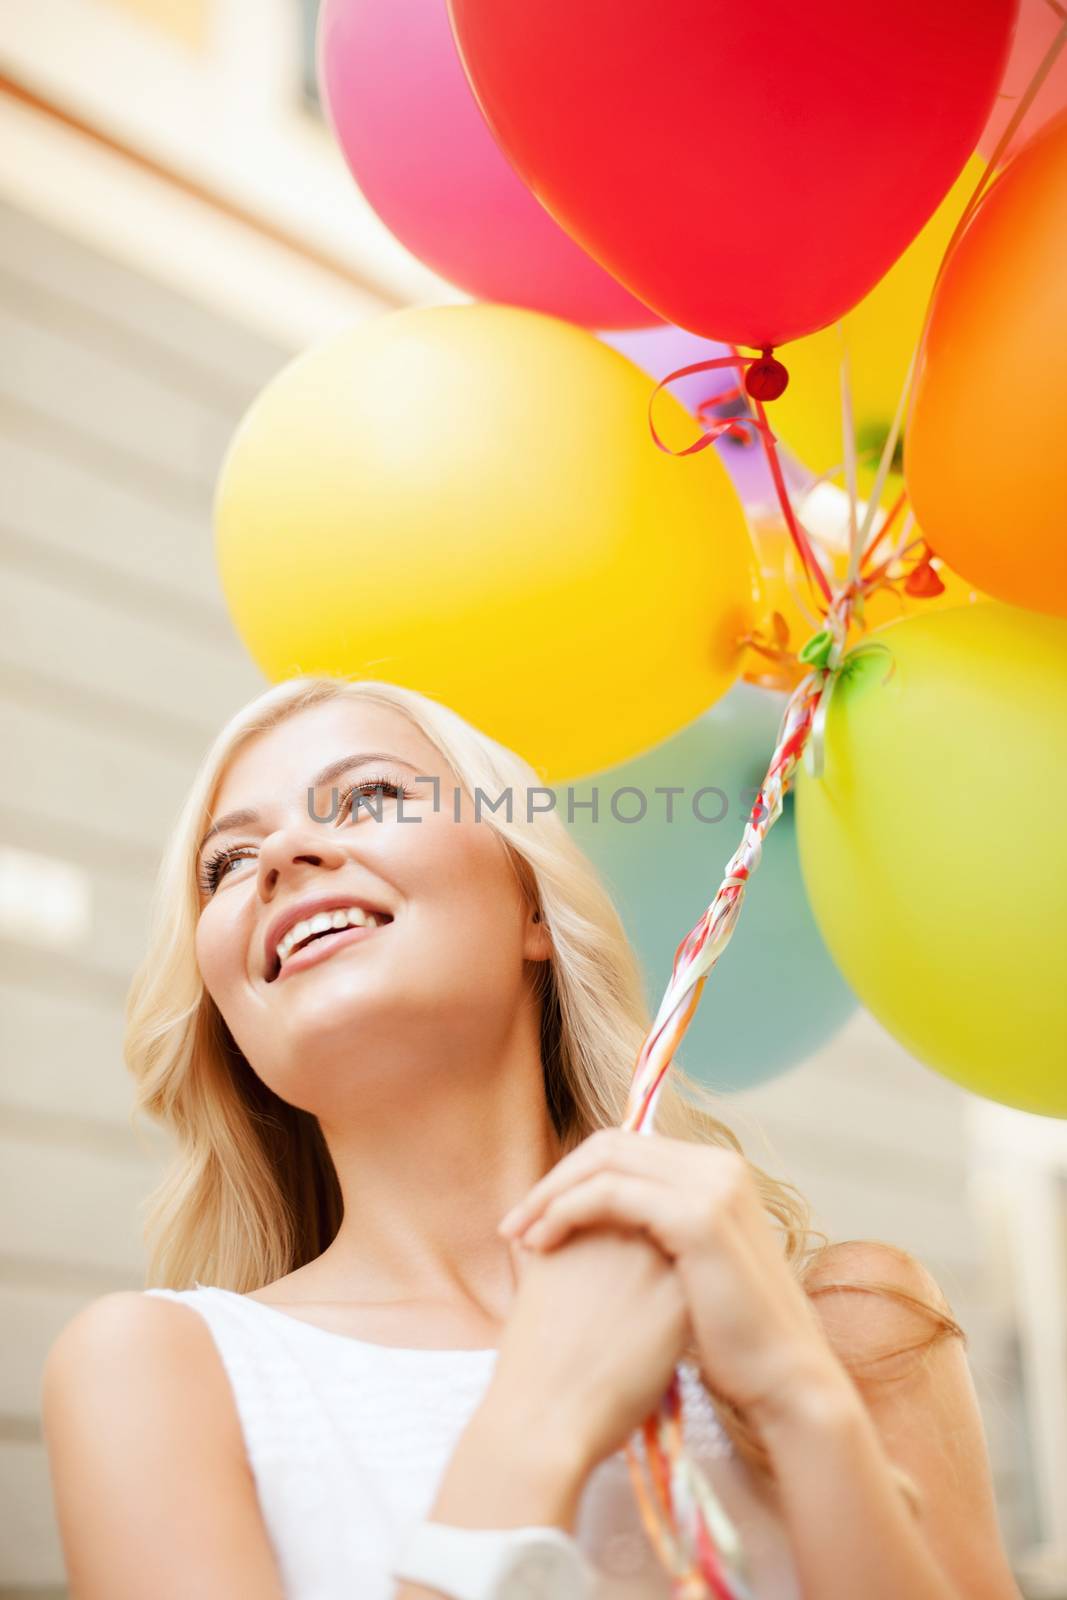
[317, 950]
[303, 910]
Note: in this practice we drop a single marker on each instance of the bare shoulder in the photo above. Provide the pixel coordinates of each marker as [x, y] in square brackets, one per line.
[139, 1350]
[870, 1260]
[126, 1314]
[127, 1318]
[140, 1423]
[878, 1304]
[889, 1321]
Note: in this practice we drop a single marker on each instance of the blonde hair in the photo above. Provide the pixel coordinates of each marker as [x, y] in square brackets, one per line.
[251, 1193]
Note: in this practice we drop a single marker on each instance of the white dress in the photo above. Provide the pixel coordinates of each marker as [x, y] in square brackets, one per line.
[348, 1441]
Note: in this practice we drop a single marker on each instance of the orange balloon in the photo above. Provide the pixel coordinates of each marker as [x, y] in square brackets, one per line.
[784, 591]
[985, 460]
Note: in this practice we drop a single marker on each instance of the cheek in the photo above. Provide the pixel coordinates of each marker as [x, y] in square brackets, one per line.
[456, 891]
[205, 960]
[217, 954]
[475, 896]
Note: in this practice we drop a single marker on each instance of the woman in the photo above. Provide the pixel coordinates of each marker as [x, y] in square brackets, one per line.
[348, 1341]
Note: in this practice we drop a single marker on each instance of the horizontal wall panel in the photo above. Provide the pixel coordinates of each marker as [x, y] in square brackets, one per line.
[934, 1232]
[217, 357]
[30, 1551]
[856, 1120]
[32, 1319]
[119, 932]
[866, 1164]
[861, 1045]
[115, 942]
[109, 400]
[104, 648]
[67, 775]
[64, 1058]
[20, 965]
[61, 506]
[34, 1591]
[862, 1049]
[59, 1204]
[105, 458]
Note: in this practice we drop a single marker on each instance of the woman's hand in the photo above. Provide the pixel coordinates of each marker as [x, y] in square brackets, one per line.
[563, 1378]
[758, 1336]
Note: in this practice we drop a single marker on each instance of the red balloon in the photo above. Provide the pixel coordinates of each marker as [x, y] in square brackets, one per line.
[748, 168]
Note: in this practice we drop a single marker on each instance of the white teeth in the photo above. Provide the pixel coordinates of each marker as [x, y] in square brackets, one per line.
[343, 917]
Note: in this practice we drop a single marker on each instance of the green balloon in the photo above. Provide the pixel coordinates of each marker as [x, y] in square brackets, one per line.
[775, 995]
[933, 846]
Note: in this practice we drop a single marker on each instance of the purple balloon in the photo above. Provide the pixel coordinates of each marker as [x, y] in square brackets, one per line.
[661, 351]
[421, 152]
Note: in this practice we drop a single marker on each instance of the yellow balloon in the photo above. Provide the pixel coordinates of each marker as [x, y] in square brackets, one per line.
[933, 848]
[784, 590]
[467, 500]
[880, 334]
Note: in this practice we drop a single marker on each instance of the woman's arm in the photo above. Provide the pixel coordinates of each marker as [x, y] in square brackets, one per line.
[508, 1471]
[153, 1491]
[778, 1354]
[830, 1440]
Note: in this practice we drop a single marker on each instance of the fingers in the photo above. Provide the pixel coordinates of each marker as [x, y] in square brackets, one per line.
[613, 1200]
[614, 1148]
[698, 1171]
[521, 1254]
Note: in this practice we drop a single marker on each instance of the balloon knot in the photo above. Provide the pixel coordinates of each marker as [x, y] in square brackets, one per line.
[766, 378]
[923, 581]
[816, 653]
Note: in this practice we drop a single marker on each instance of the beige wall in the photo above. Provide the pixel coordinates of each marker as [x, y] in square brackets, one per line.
[232, 121]
[117, 664]
[185, 20]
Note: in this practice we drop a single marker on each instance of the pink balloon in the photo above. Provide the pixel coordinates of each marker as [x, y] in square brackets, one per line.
[1036, 27]
[422, 154]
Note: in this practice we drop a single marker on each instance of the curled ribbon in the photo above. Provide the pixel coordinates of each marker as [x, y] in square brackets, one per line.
[707, 1555]
[756, 420]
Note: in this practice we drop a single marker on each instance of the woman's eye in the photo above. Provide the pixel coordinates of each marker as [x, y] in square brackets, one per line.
[217, 867]
[369, 786]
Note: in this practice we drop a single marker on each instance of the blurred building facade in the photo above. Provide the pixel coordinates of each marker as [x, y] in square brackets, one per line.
[176, 223]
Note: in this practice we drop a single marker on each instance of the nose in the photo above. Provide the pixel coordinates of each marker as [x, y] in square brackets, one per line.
[285, 853]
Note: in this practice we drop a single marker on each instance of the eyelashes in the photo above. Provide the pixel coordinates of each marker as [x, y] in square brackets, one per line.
[215, 867]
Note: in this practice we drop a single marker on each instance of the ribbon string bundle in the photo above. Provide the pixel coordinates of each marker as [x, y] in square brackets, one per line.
[694, 1538]
[704, 1554]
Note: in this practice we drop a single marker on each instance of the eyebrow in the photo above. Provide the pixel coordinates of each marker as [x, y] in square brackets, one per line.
[246, 817]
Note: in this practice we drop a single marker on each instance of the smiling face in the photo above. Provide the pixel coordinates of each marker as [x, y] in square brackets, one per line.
[365, 1010]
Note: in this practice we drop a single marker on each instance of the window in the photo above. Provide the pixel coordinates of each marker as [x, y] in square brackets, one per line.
[309, 83]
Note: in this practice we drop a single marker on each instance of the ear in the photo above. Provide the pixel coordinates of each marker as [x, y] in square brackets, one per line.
[538, 944]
